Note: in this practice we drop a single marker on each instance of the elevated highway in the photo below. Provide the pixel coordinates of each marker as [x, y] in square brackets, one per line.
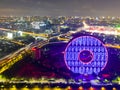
[29, 33]
[12, 58]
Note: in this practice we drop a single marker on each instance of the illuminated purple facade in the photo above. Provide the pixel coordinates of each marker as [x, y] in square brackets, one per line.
[86, 55]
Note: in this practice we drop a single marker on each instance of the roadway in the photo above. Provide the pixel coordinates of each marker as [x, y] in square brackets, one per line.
[12, 58]
[29, 33]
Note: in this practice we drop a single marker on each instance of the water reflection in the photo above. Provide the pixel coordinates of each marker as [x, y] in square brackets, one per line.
[114, 88]
[92, 88]
[80, 88]
[57, 88]
[103, 88]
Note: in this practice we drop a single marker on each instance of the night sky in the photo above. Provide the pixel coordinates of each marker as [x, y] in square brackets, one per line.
[60, 7]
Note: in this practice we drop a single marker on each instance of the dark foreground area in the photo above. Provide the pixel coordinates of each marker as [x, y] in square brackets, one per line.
[56, 86]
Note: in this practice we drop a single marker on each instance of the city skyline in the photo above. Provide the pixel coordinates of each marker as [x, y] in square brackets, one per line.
[59, 8]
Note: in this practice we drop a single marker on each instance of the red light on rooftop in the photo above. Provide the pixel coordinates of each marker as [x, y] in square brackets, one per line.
[106, 75]
[33, 49]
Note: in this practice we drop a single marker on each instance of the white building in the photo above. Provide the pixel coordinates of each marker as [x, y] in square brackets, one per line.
[37, 25]
[10, 35]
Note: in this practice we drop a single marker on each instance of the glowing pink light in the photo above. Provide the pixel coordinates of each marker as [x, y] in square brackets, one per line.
[84, 43]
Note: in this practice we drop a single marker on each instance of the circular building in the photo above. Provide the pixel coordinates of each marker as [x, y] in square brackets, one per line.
[86, 55]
